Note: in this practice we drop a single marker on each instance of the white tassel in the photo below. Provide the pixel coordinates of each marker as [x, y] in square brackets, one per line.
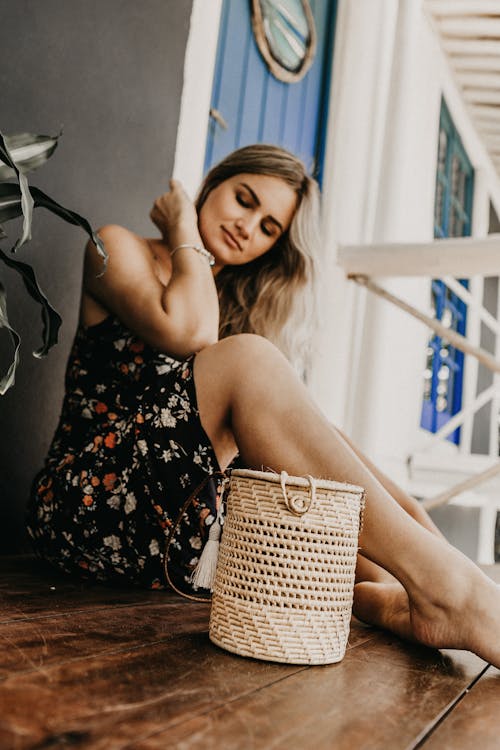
[204, 574]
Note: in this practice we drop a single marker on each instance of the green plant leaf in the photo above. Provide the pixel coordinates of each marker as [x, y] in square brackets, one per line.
[10, 201]
[9, 378]
[41, 199]
[26, 199]
[11, 207]
[28, 151]
[50, 318]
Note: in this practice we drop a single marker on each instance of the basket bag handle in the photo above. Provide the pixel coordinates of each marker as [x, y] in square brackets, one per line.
[298, 504]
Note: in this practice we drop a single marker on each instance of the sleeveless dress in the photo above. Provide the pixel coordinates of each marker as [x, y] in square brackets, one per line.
[128, 452]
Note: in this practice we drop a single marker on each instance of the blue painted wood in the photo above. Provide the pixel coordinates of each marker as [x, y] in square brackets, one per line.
[258, 107]
[444, 298]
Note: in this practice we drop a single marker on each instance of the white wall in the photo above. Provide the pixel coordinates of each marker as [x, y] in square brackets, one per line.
[389, 76]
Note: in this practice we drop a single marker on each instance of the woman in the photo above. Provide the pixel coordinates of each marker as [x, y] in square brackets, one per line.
[156, 400]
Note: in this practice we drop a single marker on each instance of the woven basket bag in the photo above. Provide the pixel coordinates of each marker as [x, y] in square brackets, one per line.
[285, 572]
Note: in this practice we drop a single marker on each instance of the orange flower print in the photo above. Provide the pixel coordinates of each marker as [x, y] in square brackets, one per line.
[185, 373]
[139, 419]
[110, 440]
[138, 360]
[136, 346]
[83, 564]
[48, 496]
[87, 500]
[124, 368]
[101, 408]
[95, 481]
[112, 416]
[109, 481]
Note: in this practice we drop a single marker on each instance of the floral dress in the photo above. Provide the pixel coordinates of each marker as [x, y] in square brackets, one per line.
[128, 452]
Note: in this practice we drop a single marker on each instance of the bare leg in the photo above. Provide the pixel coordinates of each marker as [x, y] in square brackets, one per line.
[249, 397]
[367, 570]
[408, 503]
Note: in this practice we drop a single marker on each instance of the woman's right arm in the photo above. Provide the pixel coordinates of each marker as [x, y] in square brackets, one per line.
[179, 317]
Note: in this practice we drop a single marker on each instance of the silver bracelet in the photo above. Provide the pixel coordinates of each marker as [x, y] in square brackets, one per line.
[199, 249]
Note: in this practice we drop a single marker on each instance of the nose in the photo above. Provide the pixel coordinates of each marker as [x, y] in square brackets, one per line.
[246, 225]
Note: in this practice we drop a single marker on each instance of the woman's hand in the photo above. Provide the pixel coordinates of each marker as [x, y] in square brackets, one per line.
[175, 216]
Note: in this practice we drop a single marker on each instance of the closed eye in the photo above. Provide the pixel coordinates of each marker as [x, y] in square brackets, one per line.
[243, 200]
[270, 230]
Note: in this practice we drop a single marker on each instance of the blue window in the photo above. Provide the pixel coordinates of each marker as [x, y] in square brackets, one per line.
[443, 376]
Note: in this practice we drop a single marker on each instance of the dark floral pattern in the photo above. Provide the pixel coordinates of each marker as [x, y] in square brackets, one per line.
[127, 453]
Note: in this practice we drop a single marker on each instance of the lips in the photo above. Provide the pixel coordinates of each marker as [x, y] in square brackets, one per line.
[231, 240]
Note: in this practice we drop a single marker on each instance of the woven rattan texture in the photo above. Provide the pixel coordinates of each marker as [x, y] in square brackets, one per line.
[284, 583]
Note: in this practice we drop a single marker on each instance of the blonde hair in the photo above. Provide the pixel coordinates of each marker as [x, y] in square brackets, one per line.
[272, 295]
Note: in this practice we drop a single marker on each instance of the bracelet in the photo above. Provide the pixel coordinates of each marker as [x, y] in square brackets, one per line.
[199, 249]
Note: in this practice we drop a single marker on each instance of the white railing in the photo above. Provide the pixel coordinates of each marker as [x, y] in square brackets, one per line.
[446, 260]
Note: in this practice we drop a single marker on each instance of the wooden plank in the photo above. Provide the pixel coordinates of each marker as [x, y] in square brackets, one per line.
[479, 80]
[480, 96]
[105, 701]
[80, 674]
[488, 63]
[484, 114]
[457, 256]
[471, 46]
[474, 722]
[27, 598]
[380, 696]
[132, 681]
[463, 7]
[383, 690]
[491, 140]
[467, 27]
[34, 645]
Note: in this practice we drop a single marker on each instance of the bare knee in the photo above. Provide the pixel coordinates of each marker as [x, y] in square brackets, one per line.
[242, 353]
[224, 368]
[223, 371]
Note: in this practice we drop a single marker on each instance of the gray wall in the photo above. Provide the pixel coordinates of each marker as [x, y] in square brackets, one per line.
[109, 72]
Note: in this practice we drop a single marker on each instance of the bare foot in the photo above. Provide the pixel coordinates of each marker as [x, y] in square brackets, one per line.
[453, 604]
[465, 616]
[459, 609]
[384, 605]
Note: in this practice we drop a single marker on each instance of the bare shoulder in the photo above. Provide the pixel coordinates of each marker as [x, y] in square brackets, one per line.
[123, 246]
[129, 276]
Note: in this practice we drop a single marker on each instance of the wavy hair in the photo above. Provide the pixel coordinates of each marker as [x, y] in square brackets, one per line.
[272, 295]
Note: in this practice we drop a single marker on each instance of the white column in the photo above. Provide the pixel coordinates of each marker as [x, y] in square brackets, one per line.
[480, 222]
[361, 70]
[199, 65]
[386, 394]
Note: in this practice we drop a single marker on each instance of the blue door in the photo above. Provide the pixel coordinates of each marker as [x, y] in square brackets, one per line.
[252, 106]
[443, 376]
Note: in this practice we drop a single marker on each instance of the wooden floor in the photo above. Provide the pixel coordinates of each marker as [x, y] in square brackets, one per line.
[95, 667]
